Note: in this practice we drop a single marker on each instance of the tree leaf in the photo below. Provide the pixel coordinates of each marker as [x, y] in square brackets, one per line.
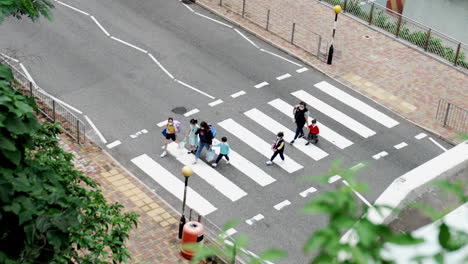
[404, 239]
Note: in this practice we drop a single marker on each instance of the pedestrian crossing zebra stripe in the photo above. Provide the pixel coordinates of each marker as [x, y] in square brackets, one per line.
[173, 185]
[325, 132]
[273, 126]
[258, 144]
[207, 173]
[335, 114]
[247, 167]
[356, 104]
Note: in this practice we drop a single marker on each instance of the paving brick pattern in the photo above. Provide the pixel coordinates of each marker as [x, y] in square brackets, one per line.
[401, 78]
[155, 238]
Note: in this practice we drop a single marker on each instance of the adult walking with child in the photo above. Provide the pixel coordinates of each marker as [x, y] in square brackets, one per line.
[301, 118]
[206, 139]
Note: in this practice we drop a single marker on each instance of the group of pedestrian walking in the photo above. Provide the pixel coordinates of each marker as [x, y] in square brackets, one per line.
[202, 136]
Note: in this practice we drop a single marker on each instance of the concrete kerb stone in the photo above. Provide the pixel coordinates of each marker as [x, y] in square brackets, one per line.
[293, 54]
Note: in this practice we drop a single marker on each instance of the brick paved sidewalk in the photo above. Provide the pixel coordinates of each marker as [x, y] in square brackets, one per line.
[404, 80]
[154, 241]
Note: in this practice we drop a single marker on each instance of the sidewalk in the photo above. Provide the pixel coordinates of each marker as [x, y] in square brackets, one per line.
[155, 238]
[402, 79]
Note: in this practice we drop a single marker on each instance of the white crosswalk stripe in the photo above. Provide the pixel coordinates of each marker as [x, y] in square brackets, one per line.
[356, 104]
[337, 115]
[207, 173]
[247, 167]
[325, 132]
[258, 144]
[173, 185]
[273, 126]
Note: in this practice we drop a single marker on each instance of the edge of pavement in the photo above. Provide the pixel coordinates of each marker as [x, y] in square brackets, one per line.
[298, 56]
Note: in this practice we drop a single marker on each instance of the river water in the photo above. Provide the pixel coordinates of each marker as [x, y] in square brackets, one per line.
[449, 17]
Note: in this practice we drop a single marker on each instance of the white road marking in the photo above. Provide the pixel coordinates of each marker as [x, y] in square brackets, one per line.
[301, 70]
[230, 231]
[420, 136]
[8, 57]
[401, 145]
[358, 194]
[258, 217]
[195, 89]
[217, 102]
[260, 85]
[162, 123]
[74, 8]
[249, 222]
[188, 7]
[100, 26]
[234, 95]
[325, 132]
[248, 168]
[144, 131]
[273, 126]
[307, 192]
[95, 129]
[160, 66]
[192, 112]
[357, 166]
[207, 173]
[173, 185]
[283, 58]
[128, 44]
[380, 155]
[114, 144]
[437, 144]
[245, 37]
[337, 115]
[284, 76]
[258, 144]
[60, 101]
[214, 20]
[334, 178]
[282, 205]
[356, 104]
[28, 75]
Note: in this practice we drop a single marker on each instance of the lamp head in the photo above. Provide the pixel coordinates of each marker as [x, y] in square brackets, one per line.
[337, 9]
[187, 171]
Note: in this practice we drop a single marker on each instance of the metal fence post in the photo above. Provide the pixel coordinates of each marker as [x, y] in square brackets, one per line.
[371, 16]
[457, 54]
[398, 26]
[345, 4]
[446, 114]
[243, 8]
[53, 110]
[292, 33]
[199, 218]
[220, 2]
[426, 43]
[78, 130]
[30, 89]
[319, 46]
[268, 19]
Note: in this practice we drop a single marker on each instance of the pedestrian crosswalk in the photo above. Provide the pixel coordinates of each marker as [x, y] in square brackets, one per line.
[271, 120]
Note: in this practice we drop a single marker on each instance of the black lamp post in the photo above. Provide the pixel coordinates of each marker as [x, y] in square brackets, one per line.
[337, 10]
[187, 172]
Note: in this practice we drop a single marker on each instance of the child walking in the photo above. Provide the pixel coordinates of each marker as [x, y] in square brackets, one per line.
[171, 130]
[278, 148]
[313, 132]
[223, 151]
[193, 138]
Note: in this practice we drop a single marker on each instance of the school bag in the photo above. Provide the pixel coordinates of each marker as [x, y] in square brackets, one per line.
[179, 126]
[213, 130]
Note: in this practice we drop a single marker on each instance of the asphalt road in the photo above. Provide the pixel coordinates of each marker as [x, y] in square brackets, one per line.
[123, 91]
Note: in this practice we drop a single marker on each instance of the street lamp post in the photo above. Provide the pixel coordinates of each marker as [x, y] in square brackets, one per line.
[187, 172]
[337, 10]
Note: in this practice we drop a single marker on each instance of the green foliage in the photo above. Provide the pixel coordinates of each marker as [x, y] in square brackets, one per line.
[30, 8]
[49, 212]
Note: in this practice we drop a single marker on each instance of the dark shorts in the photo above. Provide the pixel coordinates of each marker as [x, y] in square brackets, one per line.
[171, 136]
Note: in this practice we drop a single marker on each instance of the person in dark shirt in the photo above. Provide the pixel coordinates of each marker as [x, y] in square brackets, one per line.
[206, 139]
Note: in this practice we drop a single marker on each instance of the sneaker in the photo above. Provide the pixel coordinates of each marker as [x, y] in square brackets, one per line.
[316, 141]
[163, 154]
[214, 165]
[292, 142]
[301, 136]
[195, 162]
[190, 152]
[227, 161]
[269, 162]
[307, 143]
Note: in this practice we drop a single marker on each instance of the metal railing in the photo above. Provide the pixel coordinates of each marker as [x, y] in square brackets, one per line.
[417, 34]
[453, 116]
[271, 19]
[49, 107]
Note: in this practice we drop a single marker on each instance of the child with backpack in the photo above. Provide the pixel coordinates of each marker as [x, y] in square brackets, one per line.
[313, 132]
[278, 148]
[223, 151]
[170, 133]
